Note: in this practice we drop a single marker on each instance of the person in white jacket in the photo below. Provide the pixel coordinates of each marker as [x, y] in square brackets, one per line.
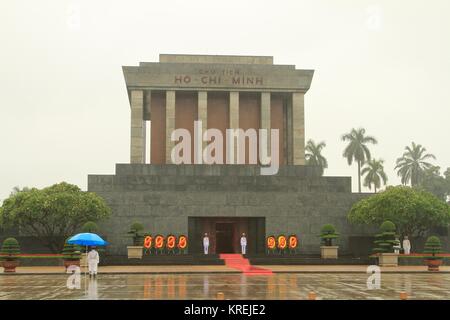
[205, 243]
[243, 244]
[93, 259]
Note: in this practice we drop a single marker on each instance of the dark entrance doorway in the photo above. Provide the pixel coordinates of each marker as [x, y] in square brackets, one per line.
[225, 232]
[225, 237]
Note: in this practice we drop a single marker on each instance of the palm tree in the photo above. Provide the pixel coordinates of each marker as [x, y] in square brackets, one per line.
[375, 174]
[314, 155]
[357, 149]
[413, 163]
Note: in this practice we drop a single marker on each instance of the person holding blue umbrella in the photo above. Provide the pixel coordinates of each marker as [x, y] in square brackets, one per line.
[93, 260]
[89, 239]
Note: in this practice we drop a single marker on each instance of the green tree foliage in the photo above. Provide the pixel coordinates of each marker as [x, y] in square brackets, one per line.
[411, 165]
[52, 214]
[136, 232]
[71, 252]
[385, 240]
[90, 227]
[328, 234]
[314, 155]
[374, 174]
[433, 182]
[10, 249]
[357, 149]
[433, 246]
[413, 211]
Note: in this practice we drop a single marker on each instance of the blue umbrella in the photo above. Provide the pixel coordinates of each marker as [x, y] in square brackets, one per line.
[87, 239]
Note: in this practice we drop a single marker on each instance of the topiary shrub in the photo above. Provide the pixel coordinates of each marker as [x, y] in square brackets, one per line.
[327, 234]
[385, 240]
[433, 246]
[90, 227]
[71, 252]
[136, 232]
[10, 250]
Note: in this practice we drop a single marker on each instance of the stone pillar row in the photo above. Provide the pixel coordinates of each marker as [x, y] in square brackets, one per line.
[295, 128]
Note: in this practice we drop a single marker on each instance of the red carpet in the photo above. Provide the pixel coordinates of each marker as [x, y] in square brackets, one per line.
[237, 261]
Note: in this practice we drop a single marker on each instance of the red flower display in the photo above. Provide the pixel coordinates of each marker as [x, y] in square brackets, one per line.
[282, 243]
[159, 242]
[271, 242]
[182, 242]
[148, 241]
[293, 241]
[171, 241]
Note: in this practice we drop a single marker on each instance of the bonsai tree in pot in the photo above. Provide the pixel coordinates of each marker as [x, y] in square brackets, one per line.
[90, 227]
[432, 248]
[328, 234]
[384, 245]
[9, 254]
[71, 255]
[136, 232]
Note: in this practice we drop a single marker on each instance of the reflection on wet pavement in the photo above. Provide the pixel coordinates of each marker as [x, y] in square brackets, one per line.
[234, 286]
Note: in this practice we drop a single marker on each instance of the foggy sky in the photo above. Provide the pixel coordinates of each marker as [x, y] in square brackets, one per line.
[382, 65]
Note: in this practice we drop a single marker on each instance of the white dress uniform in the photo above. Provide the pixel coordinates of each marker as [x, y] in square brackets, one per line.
[243, 245]
[205, 244]
[406, 246]
[93, 260]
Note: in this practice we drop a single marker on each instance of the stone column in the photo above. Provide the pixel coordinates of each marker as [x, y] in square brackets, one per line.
[265, 116]
[202, 113]
[147, 117]
[289, 134]
[298, 128]
[234, 119]
[137, 140]
[170, 123]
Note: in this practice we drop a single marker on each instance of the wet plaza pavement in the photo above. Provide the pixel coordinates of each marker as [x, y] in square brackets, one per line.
[234, 286]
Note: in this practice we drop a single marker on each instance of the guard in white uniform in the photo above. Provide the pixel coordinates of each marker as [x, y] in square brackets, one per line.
[243, 244]
[406, 245]
[93, 259]
[206, 243]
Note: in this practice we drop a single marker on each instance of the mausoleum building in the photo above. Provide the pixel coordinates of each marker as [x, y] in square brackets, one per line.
[230, 197]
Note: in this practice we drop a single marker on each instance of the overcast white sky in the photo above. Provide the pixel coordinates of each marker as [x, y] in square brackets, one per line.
[383, 65]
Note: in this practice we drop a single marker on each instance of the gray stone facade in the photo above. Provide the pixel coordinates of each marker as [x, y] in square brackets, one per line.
[295, 201]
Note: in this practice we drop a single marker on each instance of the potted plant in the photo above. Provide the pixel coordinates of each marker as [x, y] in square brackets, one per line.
[71, 255]
[384, 245]
[136, 250]
[328, 234]
[90, 227]
[433, 247]
[10, 254]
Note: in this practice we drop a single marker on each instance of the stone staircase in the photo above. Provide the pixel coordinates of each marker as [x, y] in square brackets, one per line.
[234, 259]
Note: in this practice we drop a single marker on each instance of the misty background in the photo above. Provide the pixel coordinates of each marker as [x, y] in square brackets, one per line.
[64, 111]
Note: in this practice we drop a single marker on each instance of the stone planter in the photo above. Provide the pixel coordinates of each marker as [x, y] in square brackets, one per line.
[10, 265]
[83, 260]
[388, 260]
[135, 252]
[329, 252]
[433, 264]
